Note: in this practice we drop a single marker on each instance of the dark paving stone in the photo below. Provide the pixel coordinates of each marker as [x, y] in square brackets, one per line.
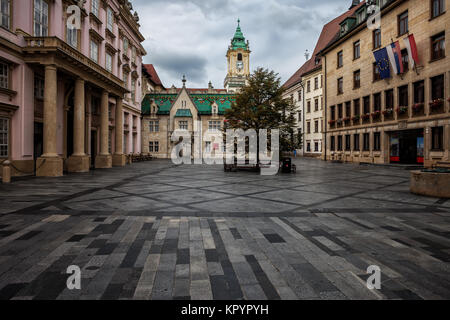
[392, 228]
[183, 256]
[268, 288]
[97, 244]
[274, 238]
[6, 233]
[407, 295]
[235, 233]
[10, 290]
[99, 219]
[211, 255]
[29, 235]
[107, 249]
[76, 238]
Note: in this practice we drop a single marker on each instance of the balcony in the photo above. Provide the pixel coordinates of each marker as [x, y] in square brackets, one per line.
[39, 49]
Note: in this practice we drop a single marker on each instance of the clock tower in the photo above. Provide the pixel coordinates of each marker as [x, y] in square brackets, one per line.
[238, 58]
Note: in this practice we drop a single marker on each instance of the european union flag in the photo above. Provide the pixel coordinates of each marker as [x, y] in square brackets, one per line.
[382, 61]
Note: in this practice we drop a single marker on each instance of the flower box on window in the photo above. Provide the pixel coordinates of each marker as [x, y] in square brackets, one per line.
[339, 121]
[437, 103]
[346, 119]
[366, 116]
[356, 118]
[402, 110]
[418, 107]
[331, 122]
[376, 114]
[388, 112]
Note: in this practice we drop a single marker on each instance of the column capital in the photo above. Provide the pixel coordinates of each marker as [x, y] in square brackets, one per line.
[51, 67]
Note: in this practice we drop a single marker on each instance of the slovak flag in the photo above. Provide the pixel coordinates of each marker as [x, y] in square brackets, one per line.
[395, 55]
[410, 44]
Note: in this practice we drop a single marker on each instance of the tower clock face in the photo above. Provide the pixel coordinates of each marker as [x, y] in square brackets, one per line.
[240, 65]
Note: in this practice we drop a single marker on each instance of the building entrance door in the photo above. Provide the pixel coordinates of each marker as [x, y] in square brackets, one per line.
[407, 147]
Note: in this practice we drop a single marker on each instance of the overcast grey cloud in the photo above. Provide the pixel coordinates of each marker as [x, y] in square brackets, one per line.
[192, 36]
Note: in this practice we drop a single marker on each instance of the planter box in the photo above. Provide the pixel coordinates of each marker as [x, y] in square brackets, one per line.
[430, 184]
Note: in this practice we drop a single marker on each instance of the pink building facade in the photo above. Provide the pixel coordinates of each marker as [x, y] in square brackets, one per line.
[70, 94]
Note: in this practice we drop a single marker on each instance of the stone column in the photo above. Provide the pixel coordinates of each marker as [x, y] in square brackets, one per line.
[50, 164]
[119, 159]
[79, 161]
[104, 159]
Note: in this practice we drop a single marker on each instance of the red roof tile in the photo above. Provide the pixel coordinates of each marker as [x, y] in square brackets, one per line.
[153, 74]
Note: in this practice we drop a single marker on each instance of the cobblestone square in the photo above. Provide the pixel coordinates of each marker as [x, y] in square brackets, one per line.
[158, 231]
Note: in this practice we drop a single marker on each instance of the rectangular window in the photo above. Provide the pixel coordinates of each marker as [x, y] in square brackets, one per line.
[357, 107]
[4, 75]
[403, 24]
[377, 39]
[340, 86]
[308, 107]
[150, 146]
[438, 46]
[299, 95]
[339, 143]
[316, 105]
[94, 51]
[40, 18]
[156, 123]
[419, 92]
[333, 143]
[348, 109]
[357, 50]
[214, 125]
[389, 99]
[316, 147]
[376, 73]
[316, 126]
[4, 137]
[403, 98]
[366, 105]
[133, 90]
[366, 138]
[5, 14]
[437, 87]
[316, 83]
[437, 136]
[405, 60]
[95, 7]
[347, 143]
[308, 127]
[333, 113]
[72, 37]
[156, 146]
[308, 86]
[339, 108]
[109, 19]
[39, 88]
[125, 46]
[133, 54]
[376, 141]
[340, 59]
[109, 63]
[125, 79]
[356, 79]
[356, 142]
[183, 125]
[437, 8]
[377, 102]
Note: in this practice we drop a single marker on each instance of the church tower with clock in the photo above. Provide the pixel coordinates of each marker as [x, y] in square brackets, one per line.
[238, 58]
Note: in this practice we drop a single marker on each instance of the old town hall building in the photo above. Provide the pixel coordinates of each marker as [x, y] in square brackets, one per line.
[166, 110]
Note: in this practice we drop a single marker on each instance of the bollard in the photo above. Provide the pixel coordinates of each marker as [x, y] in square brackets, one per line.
[6, 174]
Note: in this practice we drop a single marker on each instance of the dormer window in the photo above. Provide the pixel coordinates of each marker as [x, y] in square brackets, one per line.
[317, 61]
[344, 28]
[361, 16]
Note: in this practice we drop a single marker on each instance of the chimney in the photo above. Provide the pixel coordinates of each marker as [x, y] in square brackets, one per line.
[354, 4]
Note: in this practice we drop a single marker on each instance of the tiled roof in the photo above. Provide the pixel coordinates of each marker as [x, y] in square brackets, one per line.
[153, 74]
[329, 32]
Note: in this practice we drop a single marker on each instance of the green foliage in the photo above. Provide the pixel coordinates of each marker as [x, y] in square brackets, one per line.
[260, 105]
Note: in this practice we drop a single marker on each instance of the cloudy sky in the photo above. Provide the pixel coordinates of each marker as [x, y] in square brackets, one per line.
[192, 36]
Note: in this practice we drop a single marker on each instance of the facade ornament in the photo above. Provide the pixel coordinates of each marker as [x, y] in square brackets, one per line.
[81, 3]
[136, 16]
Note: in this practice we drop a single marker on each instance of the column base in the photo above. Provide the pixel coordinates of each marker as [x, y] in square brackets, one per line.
[49, 167]
[78, 164]
[103, 162]
[119, 160]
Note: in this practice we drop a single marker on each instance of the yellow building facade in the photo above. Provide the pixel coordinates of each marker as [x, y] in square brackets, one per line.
[403, 119]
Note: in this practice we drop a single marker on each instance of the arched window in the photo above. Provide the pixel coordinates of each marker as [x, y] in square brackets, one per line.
[239, 56]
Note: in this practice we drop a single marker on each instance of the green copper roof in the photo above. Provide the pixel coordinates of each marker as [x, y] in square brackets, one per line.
[183, 113]
[203, 103]
[238, 41]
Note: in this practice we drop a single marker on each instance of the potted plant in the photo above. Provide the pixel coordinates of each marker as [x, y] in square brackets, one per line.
[347, 119]
[436, 103]
[376, 114]
[365, 116]
[402, 110]
[356, 118]
[331, 122]
[388, 111]
[339, 121]
[418, 106]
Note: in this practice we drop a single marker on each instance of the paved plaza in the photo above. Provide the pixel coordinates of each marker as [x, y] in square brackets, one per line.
[157, 231]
